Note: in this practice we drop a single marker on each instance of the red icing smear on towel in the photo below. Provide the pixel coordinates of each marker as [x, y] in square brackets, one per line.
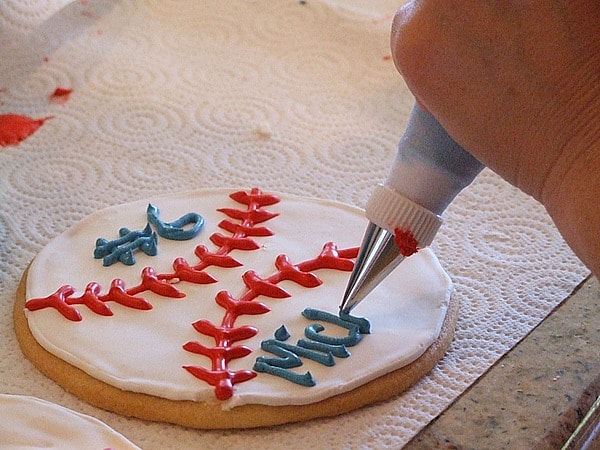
[60, 96]
[15, 128]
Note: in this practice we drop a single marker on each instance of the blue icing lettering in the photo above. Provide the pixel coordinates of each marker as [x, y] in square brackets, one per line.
[287, 360]
[339, 351]
[175, 230]
[314, 332]
[343, 320]
[322, 358]
[146, 240]
[363, 324]
[121, 249]
[304, 379]
[105, 247]
[318, 347]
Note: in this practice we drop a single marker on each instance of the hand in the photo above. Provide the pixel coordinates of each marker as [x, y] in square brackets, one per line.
[518, 85]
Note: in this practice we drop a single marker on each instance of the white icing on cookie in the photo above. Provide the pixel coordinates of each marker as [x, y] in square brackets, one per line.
[141, 351]
[28, 422]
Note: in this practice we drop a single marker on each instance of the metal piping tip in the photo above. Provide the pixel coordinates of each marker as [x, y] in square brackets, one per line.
[378, 256]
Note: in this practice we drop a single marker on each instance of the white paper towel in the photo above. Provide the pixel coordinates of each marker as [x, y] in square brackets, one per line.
[300, 98]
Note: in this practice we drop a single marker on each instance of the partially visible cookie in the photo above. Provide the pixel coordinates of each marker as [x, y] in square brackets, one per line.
[29, 422]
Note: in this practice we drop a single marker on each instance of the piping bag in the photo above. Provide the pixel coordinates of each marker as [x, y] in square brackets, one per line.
[405, 213]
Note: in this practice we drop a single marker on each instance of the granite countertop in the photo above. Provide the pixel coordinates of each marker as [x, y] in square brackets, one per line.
[538, 393]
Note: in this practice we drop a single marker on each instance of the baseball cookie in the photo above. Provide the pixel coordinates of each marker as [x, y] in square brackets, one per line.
[219, 309]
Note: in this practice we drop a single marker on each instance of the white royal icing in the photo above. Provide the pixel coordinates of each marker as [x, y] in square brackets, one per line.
[28, 422]
[141, 351]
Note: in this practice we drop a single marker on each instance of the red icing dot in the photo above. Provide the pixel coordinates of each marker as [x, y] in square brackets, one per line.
[405, 241]
[15, 128]
[60, 96]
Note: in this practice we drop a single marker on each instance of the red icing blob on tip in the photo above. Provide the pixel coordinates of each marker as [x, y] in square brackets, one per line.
[15, 128]
[406, 242]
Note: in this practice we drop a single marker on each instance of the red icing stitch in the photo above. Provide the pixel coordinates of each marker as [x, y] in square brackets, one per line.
[91, 300]
[56, 300]
[235, 308]
[223, 380]
[118, 294]
[256, 216]
[406, 242]
[220, 333]
[238, 243]
[212, 259]
[15, 128]
[151, 282]
[351, 252]
[183, 272]
[245, 229]
[288, 271]
[263, 287]
[219, 354]
[329, 258]
[254, 197]
[60, 96]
